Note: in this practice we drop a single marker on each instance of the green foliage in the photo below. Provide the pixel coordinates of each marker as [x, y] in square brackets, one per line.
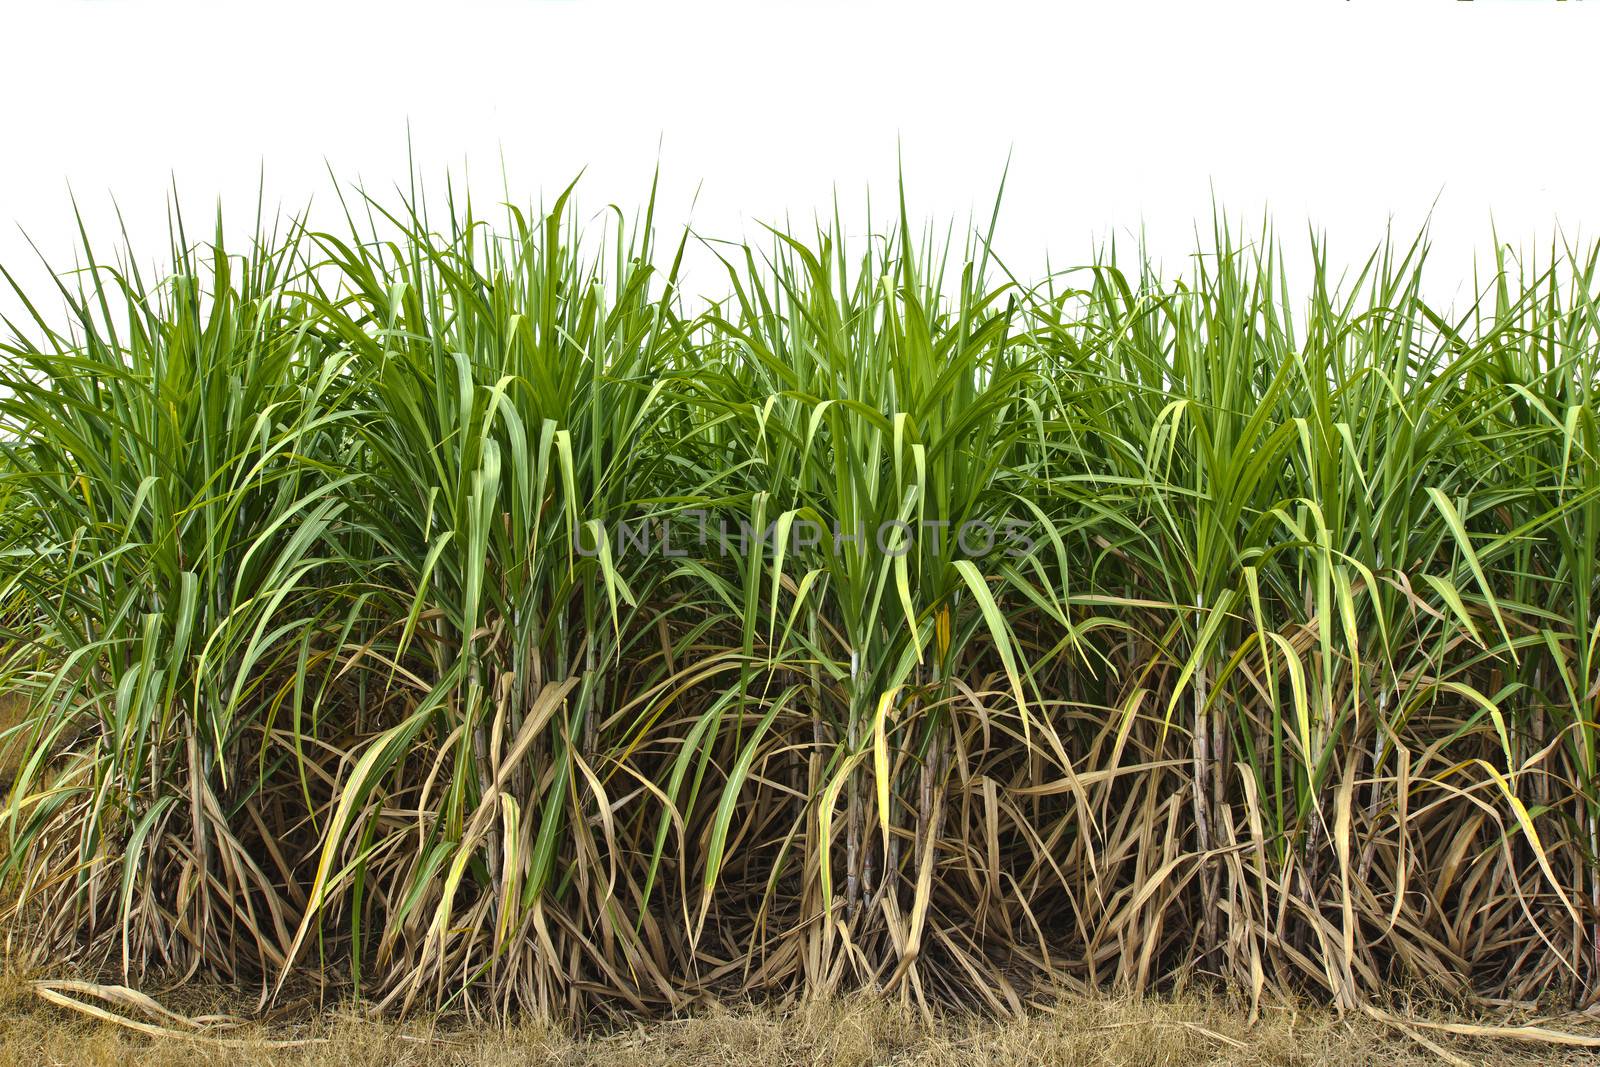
[462, 615]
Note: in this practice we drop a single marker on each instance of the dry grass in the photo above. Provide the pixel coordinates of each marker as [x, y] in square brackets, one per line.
[12, 711]
[860, 1031]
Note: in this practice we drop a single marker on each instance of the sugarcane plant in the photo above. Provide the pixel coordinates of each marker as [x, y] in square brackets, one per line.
[446, 608]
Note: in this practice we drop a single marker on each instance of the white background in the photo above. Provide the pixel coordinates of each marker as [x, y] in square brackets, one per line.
[1344, 115]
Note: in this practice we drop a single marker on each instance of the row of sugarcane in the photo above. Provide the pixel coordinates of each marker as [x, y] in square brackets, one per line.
[459, 615]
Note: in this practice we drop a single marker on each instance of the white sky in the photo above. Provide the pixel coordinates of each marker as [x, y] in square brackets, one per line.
[1339, 113]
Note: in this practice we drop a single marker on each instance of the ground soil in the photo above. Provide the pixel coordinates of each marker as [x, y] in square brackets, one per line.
[1109, 1031]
